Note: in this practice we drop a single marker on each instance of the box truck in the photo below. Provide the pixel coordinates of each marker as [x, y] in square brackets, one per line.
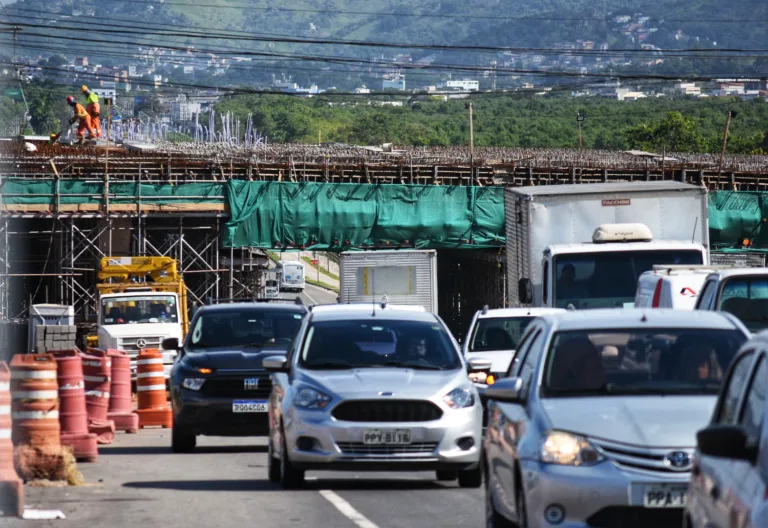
[404, 276]
[585, 245]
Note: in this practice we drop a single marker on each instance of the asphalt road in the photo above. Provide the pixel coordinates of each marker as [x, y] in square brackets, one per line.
[313, 295]
[139, 482]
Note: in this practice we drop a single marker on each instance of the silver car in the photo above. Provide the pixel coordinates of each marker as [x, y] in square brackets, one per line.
[595, 424]
[372, 387]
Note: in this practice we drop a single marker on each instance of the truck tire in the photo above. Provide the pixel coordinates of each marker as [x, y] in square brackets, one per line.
[273, 464]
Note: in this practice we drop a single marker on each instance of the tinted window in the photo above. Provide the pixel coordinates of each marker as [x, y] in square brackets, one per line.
[247, 328]
[663, 361]
[521, 351]
[140, 309]
[531, 358]
[360, 344]
[498, 333]
[732, 394]
[606, 280]
[747, 299]
[754, 407]
[706, 295]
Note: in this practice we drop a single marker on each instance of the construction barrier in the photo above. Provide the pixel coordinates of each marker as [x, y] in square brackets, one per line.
[35, 395]
[150, 385]
[11, 486]
[97, 374]
[73, 416]
[120, 402]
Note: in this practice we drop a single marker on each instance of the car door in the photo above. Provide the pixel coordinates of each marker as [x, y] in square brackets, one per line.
[711, 475]
[707, 295]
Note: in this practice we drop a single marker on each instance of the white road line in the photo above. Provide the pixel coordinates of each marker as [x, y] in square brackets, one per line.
[347, 510]
[309, 296]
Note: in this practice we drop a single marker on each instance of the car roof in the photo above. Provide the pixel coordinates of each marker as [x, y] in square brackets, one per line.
[517, 312]
[366, 311]
[618, 318]
[737, 272]
[254, 307]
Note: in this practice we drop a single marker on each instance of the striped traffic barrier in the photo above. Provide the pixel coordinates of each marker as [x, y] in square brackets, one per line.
[73, 416]
[11, 486]
[97, 375]
[120, 396]
[150, 385]
[35, 400]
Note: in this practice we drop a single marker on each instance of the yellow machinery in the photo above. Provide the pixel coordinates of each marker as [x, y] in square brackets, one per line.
[142, 274]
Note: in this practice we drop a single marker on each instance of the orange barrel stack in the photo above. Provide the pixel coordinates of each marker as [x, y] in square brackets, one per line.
[97, 373]
[154, 409]
[11, 487]
[120, 402]
[35, 395]
[73, 416]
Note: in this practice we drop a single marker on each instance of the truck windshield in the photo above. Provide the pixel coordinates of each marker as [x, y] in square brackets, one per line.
[243, 329]
[498, 333]
[139, 309]
[639, 362]
[746, 297]
[608, 280]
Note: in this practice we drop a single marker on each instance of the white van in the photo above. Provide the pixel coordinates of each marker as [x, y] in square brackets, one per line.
[667, 286]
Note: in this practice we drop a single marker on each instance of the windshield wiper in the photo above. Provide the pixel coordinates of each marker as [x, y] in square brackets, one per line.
[405, 364]
[328, 365]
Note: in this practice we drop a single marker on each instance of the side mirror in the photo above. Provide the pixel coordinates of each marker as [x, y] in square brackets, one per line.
[276, 364]
[726, 441]
[508, 390]
[170, 343]
[525, 291]
[479, 365]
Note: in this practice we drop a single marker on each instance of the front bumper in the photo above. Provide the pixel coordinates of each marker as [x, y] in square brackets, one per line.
[338, 445]
[195, 413]
[600, 496]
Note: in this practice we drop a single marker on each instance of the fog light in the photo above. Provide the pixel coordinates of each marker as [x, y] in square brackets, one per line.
[466, 443]
[305, 443]
[554, 514]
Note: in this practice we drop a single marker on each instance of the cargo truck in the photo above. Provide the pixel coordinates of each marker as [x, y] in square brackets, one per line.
[404, 276]
[585, 246]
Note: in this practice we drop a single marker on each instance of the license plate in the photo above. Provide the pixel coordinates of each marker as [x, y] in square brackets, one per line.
[387, 436]
[250, 406]
[666, 496]
[251, 383]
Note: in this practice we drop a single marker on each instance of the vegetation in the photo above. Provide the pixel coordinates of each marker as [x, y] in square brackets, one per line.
[323, 270]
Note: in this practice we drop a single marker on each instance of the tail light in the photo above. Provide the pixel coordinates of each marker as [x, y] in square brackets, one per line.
[656, 295]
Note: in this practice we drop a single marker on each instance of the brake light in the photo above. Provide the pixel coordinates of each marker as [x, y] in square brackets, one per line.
[656, 295]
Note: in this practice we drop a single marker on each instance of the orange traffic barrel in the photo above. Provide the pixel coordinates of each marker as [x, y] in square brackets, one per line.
[120, 397]
[35, 400]
[97, 374]
[11, 487]
[73, 416]
[150, 384]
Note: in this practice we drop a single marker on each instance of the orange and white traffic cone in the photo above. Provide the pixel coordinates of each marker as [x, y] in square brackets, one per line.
[11, 487]
[97, 373]
[120, 403]
[154, 409]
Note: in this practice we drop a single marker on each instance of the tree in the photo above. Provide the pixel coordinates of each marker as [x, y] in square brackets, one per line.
[675, 133]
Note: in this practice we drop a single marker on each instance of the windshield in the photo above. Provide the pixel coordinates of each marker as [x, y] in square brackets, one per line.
[654, 361]
[608, 280]
[140, 309]
[244, 329]
[747, 298]
[370, 344]
[498, 333]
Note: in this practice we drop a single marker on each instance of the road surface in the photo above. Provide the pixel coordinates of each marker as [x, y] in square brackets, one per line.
[139, 482]
[313, 295]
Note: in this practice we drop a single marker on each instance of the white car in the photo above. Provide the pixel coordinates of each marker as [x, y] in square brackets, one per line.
[671, 286]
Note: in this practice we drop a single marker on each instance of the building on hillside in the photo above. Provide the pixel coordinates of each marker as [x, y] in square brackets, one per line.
[183, 111]
[688, 88]
[464, 85]
[394, 82]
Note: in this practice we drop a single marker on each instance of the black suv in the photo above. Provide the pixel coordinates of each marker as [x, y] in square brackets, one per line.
[218, 385]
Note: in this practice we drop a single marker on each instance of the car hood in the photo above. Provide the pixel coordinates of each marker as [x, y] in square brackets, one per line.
[401, 382]
[229, 359]
[653, 421]
[500, 359]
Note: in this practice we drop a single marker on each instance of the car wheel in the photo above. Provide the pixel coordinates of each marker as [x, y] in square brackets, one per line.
[290, 477]
[273, 464]
[471, 478]
[447, 475]
[493, 519]
[181, 441]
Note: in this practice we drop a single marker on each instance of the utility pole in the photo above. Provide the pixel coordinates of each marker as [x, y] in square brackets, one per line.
[493, 80]
[731, 114]
[471, 129]
[579, 120]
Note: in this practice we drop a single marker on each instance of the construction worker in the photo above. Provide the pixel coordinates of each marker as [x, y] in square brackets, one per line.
[93, 108]
[84, 119]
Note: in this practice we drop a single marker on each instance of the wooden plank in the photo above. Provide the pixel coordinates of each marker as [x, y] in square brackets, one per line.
[194, 207]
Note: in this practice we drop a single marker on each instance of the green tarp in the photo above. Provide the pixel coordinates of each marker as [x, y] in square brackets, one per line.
[734, 215]
[263, 214]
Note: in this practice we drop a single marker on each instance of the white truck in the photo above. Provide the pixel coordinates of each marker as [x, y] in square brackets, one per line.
[271, 285]
[404, 276]
[585, 245]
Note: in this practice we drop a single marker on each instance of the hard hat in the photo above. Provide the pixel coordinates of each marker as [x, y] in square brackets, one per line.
[70, 100]
[83, 88]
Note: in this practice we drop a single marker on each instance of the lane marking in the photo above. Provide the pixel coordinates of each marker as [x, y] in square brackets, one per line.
[347, 510]
[308, 295]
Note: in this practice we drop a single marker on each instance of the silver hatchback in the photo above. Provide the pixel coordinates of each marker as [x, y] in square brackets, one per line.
[371, 387]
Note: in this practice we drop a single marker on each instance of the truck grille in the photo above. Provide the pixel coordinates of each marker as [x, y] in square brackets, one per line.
[639, 458]
[234, 387]
[130, 346]
[358, 448]
[387, 411]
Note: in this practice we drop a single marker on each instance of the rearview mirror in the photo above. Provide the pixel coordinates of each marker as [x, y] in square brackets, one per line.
[276, 364]
[726, 441]
[525, 291]
[479, 365]
[170, 343]
[508, 390]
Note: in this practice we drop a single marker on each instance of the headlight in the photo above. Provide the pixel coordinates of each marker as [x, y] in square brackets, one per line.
[193, 383]
[566, 449]
[308, 398]
[459, 398]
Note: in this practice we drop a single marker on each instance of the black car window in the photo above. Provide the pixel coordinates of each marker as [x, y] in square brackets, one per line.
[243, 328]
[498, 333]
[754, 407]
[522, 350]
[731, 395]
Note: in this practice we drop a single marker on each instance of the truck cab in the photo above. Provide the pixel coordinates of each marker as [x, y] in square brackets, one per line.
[272, 288]
[604, 273]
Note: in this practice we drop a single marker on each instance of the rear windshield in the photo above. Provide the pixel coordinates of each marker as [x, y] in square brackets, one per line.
[498, 333]
[747, 298]
[381, 343]
[654, 362]
[243, 329]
